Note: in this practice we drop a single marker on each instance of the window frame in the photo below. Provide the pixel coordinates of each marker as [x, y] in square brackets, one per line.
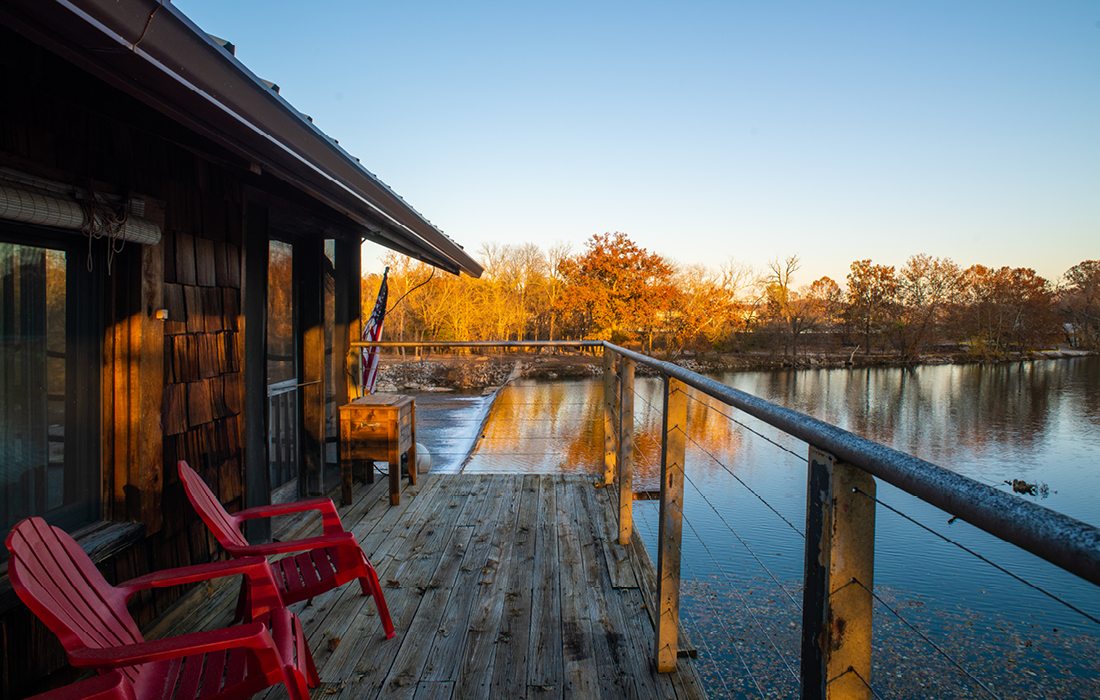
[84, 295]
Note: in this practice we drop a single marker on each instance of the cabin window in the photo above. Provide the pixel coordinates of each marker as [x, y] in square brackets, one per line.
[282, 371]
[49, 357]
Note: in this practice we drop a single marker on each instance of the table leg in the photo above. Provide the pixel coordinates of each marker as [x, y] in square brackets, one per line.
[412, 448]
[395, 475]
[345, 476]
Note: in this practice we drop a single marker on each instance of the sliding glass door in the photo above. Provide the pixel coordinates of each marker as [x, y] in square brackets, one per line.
[49, 368]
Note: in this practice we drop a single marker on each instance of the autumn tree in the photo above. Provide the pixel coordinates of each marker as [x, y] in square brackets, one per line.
[1080, 302]
[1006, 308]
[826, 302]
[616, 289]
[788, 311]
[927, 288]
[551, 286]
[512, 273]
[871, 296]
[708, 306]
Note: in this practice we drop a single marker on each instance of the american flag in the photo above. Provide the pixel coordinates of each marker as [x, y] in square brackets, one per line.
[372, 331]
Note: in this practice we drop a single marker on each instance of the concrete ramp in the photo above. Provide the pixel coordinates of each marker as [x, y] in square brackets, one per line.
[449, 425]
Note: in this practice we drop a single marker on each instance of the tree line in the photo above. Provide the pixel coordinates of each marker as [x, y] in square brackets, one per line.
[616, 290]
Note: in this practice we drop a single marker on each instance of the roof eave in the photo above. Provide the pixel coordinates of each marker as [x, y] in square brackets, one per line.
[156, 54]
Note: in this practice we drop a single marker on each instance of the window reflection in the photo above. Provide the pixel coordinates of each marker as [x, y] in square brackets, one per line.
[36, 478]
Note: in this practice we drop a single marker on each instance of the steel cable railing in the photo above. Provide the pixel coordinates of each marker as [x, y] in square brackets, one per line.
[733, 587]
[715, 615]
[980, 557]
[1081, 532]
[760, 626]
[836, 459]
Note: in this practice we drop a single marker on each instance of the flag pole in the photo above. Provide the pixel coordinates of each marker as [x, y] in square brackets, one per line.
[372, 332]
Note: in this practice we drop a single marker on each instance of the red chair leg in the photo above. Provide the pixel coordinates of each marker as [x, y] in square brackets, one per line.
[313, 679]
[296, 686]
[371, 586]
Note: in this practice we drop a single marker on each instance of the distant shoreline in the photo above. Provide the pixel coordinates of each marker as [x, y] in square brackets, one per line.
[475, 373]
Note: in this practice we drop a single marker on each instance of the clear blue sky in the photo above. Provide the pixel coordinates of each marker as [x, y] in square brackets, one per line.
[711, 131]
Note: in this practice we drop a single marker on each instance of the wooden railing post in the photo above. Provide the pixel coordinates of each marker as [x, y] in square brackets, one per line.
[626, 451]
[670, 530]
[609, 430]
[839, 578]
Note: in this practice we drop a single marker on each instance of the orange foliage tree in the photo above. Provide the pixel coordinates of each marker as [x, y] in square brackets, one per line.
[872, 295]
[1080, 303]
[928, 288]
[1006, 308]
[617, 290]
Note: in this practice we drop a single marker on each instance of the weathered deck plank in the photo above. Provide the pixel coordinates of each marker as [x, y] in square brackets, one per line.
[500, 585]
[349, 625]
[544, 668]
[509, 677]
[484, 636]
[617, 668]
[361, 668]
[578, 657]
[617, 557]
[417, 641]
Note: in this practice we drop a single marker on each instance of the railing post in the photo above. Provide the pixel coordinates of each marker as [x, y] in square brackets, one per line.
[671, 525]
[839, 578]
[609, 430]
[626, 450]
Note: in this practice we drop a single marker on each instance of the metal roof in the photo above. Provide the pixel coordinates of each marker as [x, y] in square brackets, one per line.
[151, 50]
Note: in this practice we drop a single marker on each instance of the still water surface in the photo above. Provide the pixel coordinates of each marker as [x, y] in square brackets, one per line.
[1038, 421]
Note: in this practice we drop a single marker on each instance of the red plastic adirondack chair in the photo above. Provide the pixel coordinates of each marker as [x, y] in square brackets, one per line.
[110, 686]
[59, 583]
[319, 563]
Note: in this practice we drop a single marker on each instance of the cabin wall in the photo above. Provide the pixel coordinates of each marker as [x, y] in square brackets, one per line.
[172, 389]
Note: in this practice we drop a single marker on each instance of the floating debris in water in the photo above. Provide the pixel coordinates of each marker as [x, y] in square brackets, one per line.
[1029, 489]
[1021, 486]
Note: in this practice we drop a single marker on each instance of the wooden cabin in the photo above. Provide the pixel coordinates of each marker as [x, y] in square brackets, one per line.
[179, 276]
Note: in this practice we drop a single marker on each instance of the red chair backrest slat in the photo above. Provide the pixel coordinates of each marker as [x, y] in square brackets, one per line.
[59, 583]
[225, 527]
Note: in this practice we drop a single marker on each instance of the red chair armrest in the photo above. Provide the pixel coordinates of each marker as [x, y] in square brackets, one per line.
[344, 539]
[329, 517]
[253, 636]
[265, 594]
[193, 574]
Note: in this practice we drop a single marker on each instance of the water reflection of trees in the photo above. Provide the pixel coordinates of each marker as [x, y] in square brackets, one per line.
[544, 427]
[934, 412]
[940, 413]
[707, 430]
[557, 426]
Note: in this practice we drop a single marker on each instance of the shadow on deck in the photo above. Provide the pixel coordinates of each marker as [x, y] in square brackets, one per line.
[500, 586]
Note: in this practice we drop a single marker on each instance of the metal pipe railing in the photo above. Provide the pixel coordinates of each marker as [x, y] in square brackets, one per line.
[1064, 541]
[840, 527]
[479, 344]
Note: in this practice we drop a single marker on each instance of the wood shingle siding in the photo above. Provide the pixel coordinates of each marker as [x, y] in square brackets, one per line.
[170, 388]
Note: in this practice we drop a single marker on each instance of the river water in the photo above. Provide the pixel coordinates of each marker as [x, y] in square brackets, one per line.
[742, 552]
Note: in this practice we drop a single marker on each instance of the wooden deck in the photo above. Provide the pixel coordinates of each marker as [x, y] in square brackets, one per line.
[500, 586]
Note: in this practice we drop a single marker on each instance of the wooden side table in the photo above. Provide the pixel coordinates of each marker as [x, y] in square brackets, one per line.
[377, 427]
